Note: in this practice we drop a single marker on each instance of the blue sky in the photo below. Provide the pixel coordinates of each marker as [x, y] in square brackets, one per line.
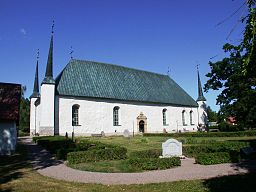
[150, 35]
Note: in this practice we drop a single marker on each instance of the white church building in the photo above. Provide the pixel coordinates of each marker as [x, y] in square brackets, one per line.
[90, 97]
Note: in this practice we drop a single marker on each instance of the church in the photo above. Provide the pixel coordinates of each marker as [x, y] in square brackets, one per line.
[90, 98]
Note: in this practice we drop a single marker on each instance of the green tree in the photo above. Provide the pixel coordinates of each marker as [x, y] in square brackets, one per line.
[212, 115]
[235, 76]
[24, 119]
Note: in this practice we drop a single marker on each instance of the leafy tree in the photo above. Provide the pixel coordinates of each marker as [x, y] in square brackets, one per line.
[24, 119]
[212, 115]
[235, 75]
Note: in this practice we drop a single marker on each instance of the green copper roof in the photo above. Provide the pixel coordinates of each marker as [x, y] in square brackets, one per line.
[100, 80]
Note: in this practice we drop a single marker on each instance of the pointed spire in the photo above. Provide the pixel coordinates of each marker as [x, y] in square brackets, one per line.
[36, 84]
[200, 90]
[48, 73]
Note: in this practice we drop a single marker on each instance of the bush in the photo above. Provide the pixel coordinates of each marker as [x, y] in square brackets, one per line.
[154, 163]
[193, 151]
[151, 153]
[203, 134]
[223, 126]
[54, 143]
[95, 155]
[217, 158]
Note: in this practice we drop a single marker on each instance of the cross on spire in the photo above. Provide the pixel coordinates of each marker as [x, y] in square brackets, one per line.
[71, 52]
[52, 26]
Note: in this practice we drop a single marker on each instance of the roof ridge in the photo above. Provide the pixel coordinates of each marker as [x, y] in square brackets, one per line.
[119, 66]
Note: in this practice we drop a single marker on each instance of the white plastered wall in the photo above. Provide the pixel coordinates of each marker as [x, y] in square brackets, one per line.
[203, 118]
[96, 115]
[47, 109]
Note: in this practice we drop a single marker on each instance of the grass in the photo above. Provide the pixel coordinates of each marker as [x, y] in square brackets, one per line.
[16, 175]
[118, 166]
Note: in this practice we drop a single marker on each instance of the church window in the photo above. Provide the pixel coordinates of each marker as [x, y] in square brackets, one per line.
[75, 113]
[184, 118]
[164, 116]
[191, 118]
[116, 116]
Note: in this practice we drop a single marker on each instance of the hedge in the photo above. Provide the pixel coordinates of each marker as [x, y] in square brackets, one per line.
[54, 143]
[203, 134]
[151, 153]
[195, 150]
[97, 155]
[217, 158]
[154, 163]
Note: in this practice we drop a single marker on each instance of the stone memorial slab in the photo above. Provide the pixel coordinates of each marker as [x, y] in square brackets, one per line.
[172, 148]
[126, 133]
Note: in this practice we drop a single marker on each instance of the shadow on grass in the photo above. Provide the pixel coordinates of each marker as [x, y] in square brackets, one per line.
[11, 166]
[233, 183]
[27, 155]
[236, 183]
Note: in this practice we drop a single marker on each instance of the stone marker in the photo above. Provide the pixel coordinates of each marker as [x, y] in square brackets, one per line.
[126, 133]
[102, 134]
[172, 148]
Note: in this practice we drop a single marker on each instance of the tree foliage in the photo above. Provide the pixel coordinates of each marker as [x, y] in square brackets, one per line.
[235, 75]
[212, 115]
[24, 119]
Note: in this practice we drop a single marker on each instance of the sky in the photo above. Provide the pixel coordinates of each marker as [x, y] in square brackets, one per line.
[151, 35]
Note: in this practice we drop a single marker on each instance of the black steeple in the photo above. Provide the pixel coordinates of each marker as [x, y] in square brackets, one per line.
[48, 79]
[200, 90]
[36, 84]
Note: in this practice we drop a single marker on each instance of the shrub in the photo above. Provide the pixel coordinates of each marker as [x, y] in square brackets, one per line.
[97, 155]
[193, 151]
[151, 153]
[204, 134]
[154, 163]
[53, 143]
[217, 158]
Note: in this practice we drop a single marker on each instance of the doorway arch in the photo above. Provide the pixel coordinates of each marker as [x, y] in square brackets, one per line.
[142, 126]
[142, 123]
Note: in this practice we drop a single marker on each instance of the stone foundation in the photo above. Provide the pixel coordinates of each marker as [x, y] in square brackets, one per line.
[47, 131]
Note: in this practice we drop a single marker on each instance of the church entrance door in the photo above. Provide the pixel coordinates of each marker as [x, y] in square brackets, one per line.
[142, 123]
[141, 126]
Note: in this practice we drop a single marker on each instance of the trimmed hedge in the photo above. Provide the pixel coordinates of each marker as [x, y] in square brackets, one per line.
[217, 158]
[54, 143]
[204, 134]
[151, 153]
[195, 150]
[97, 155]
[154, 163]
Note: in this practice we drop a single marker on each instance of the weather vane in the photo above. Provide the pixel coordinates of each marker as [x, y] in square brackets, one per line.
[169, 71]
[197, 65]
[71, 52]
[52, 26]
[37, 55]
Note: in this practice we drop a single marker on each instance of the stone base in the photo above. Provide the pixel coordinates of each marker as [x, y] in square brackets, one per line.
[47, 131]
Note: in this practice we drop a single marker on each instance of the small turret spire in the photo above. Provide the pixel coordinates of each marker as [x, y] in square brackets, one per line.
[200, 90]
[48, 73]
[36, 84]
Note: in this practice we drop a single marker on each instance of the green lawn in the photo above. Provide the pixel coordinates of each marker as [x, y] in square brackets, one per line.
[16, 175]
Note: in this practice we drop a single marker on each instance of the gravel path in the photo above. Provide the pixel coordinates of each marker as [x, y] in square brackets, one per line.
[47, 166]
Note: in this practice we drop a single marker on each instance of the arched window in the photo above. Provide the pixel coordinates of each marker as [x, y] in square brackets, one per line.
[191, 117]
[75, 115]
[184, 118]
[164, 116]
[116, 116]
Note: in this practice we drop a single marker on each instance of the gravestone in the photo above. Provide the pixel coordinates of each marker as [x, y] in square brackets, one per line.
[126, 133]
[172, 148]
[102, 133]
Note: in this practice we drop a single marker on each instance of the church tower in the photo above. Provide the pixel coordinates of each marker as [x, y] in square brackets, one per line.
[48, 96]
[201, 101]
[33, 98]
